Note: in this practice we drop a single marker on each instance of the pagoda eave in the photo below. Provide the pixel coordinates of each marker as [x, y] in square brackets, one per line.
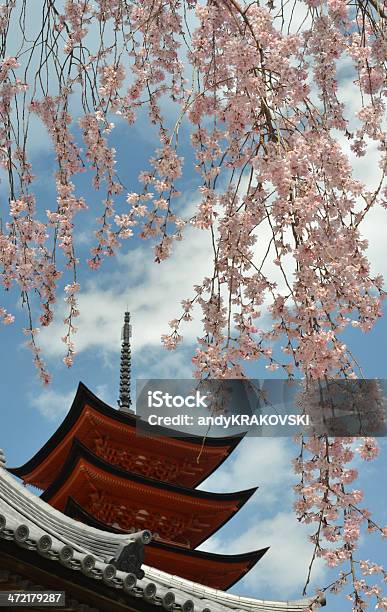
[211, 569]
[181, 516]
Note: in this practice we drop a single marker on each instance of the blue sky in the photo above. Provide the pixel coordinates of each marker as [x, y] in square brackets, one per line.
[153, 292]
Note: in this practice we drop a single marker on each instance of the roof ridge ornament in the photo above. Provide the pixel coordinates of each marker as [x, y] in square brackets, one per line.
[125, 401]
[129, 557]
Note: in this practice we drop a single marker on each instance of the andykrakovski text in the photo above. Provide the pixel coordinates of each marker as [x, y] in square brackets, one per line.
[235, 420]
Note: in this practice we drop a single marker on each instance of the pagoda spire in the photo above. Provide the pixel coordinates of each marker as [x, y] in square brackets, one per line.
[125, 401]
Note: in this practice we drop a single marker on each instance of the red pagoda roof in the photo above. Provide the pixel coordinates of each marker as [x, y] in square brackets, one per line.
[213, 570]
[111, 435]
[174, 514]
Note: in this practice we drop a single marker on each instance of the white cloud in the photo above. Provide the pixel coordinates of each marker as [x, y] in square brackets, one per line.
[283, 569]
[159, 363]
[52, 404]
[151, 292]
[262, 462]
[373, 228]
[105, 393]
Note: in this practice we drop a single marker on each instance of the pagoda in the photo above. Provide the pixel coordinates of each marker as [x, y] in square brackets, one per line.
[96, 470]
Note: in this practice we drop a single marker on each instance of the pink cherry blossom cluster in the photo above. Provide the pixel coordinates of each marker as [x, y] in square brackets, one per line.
[325, 500]
[315, 198]
[57, 121]
[39, 363]
[345, 407]
[5, 317]
[71, 300]
[324, 466]
[102, 160]
[75, 18]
